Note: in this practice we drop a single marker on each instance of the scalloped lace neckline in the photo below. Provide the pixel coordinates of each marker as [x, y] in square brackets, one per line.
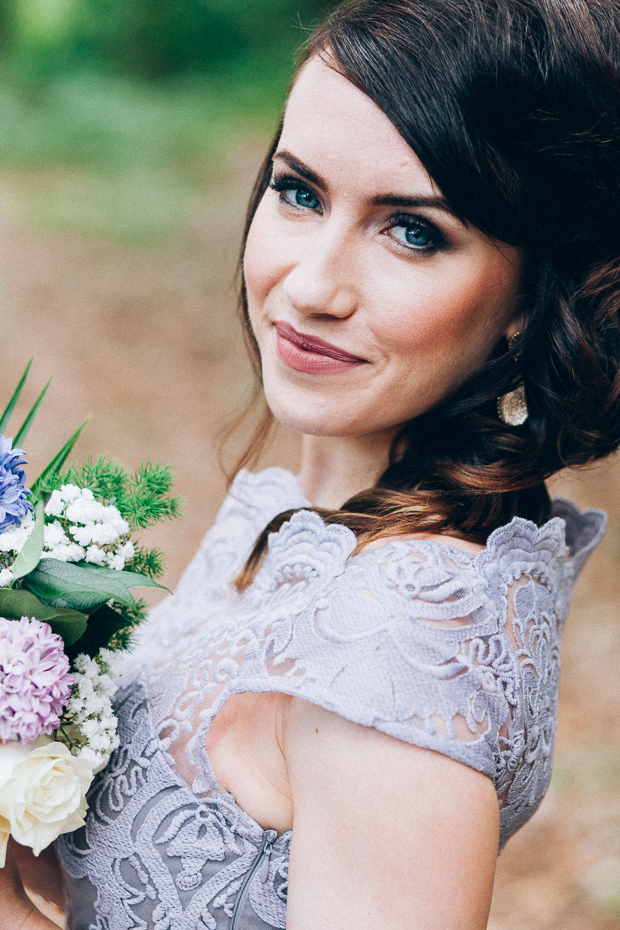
[290, 497]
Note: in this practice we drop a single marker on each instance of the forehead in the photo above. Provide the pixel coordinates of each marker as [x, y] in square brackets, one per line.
[328, 119]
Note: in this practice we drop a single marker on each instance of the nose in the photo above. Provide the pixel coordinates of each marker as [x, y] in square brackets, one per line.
[322, 280]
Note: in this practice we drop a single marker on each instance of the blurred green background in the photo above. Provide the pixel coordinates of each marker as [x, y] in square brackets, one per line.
[137, 100]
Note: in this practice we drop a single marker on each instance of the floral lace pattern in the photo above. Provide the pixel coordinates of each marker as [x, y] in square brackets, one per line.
[434, 646]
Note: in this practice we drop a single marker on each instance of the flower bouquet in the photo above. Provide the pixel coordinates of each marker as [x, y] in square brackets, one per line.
[68, 563]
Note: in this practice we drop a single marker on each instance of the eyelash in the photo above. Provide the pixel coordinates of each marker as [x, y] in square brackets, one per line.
[282, 183]
[286, 182]
[437, 240]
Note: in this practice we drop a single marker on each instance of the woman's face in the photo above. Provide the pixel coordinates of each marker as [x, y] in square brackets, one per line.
[370, 302]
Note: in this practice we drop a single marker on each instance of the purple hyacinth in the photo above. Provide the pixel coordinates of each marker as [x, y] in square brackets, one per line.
[13, 490]
[35, 683]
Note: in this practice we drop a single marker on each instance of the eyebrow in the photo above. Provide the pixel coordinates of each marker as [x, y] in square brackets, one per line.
[380, 200]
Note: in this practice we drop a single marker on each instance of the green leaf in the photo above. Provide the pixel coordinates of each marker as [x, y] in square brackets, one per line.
[83, 587]
[60, 458]
[70, 624]
[29, 557]
[25, 427]
[102, 625]
[6, 416]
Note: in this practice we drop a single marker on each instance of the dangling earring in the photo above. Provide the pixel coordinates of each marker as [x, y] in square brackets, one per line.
[512, 407]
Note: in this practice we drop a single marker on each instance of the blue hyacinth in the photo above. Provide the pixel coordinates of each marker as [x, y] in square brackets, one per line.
[13, 490]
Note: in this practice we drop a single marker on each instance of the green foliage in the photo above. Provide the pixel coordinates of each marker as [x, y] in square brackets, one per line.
[154, 38]
[144, 98]
[10, 407]
[149, 562]
[29, 557]
[59, 459]
[70, 624]
[104, 625]
[142, 497]
[133, 617]
[81, 586]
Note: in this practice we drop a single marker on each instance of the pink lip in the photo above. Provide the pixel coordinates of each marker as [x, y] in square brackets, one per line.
[311, 354]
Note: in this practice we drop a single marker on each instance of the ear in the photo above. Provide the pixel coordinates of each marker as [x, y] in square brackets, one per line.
[516, 325]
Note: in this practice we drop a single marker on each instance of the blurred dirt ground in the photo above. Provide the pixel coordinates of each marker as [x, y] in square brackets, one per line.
[145, 340]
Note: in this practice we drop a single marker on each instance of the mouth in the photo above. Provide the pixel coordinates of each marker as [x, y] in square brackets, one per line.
[311, 354]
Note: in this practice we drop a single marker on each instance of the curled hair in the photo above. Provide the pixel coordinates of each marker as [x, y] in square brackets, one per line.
[513, 107]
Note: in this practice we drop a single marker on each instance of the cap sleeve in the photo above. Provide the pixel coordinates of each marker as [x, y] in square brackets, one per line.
[399, 638]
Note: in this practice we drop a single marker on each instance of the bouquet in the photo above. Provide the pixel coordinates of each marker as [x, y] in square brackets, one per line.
[68, 563]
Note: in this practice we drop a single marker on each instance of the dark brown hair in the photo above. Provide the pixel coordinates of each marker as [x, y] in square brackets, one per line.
[513, 107]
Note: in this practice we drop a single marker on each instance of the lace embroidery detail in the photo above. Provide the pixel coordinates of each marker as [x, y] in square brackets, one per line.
[153, 856]
[442, 649]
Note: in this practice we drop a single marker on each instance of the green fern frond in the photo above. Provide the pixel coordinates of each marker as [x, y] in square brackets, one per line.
[149, 562]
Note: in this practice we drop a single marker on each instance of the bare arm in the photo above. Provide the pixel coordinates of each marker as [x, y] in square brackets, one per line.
[17, 911]
[385, 834]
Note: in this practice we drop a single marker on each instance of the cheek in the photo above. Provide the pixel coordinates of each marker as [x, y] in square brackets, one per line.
[460, 313]
[262, 267]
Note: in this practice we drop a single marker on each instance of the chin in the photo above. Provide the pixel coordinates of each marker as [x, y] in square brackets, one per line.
[317, 421]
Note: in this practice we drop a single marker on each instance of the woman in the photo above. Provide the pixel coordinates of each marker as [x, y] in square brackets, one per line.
[358, 673]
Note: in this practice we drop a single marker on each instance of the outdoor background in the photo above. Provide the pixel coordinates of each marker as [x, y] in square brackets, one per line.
[130, 134]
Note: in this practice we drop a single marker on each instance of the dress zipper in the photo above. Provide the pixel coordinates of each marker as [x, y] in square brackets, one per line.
[262, 856]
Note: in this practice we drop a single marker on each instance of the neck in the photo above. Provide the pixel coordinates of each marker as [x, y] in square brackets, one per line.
[334, 468]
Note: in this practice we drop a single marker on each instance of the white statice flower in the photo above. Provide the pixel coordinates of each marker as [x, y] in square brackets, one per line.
[87, 667]
[100, 523]
[54, 535]
[70, 553]
[85, 688]
[95, 703]
[55, 505]
[90, 530]
[96, 556]
[13, 539]
[71, 492]
[89, 709]
[127, 551]
[114, 662]
[115, 561]
[6, 577]
[123, 554]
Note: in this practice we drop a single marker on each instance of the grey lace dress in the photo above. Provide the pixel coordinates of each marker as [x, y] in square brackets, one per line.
[434, 646]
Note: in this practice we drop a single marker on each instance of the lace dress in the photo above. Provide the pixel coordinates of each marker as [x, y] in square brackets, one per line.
[429, 644]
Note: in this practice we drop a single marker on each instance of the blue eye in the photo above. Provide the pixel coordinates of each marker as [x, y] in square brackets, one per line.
[415, 234]
[302, 197]
[295, 193]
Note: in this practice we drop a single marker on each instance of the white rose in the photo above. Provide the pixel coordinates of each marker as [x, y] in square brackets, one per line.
[42, 792]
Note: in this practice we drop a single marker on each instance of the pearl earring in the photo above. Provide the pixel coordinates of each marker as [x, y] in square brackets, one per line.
[512, 407]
